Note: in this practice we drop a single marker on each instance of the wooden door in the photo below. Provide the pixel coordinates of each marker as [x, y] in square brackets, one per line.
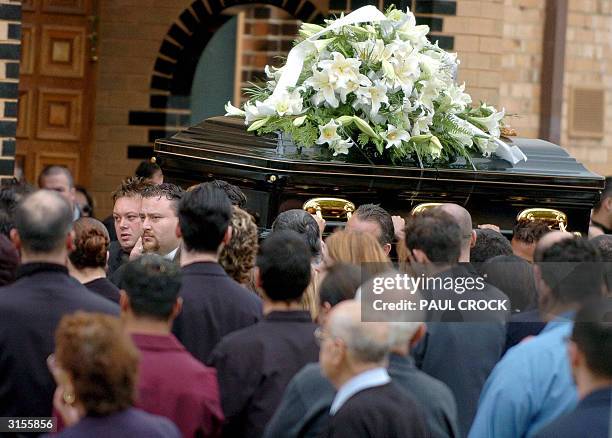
[57, 86]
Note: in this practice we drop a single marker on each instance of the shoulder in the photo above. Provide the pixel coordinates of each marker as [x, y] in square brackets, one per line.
[153, 425]
[568, 425]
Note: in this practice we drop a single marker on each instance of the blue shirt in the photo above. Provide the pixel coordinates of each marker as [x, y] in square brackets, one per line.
[531, 386]
[365, 380]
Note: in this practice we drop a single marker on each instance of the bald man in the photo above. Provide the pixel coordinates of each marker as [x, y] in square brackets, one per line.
[32, 306]
[462, 218]
[353, 357]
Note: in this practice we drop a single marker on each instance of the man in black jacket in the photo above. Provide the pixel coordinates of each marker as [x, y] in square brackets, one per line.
[32, 307]
[213, 304]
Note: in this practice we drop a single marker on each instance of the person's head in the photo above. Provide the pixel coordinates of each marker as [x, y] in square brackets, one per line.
[235, 195]
[340, 284]
[150, 290]
[9, 261]
[547, 241]
[91, 242]
[603, 244]
[302, 223]
[96, 363]
[84, 201]
[350, 346]
[375, 220]
[43, 224]
[525, 236]
[8, 202]
[357, 248]
[433, 236]
[283, 267]
[569, 274]
[159, 218]
[60, 180]
[149, 171]
[462, 218]
[238, 256]
[489, 244]
[127, 203]
[514, 276]
[204, 215]
[590, 346]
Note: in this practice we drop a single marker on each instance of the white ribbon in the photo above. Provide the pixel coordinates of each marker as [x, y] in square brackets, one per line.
[295, 58]
[512, 154]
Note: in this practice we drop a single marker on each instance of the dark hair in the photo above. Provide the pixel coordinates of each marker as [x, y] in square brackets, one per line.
[529, 231]
[55, 169]
[152, 284]
[100, 359]
[302, 223]
[8, 202]
[233, 192]
[91, 243]
[90, 201]
[603, 243]
[513, 276]
[146, 169]
[340, 283]
[572, 270]
[169, 191]
[489, 244]
[9, 261]
[436, 233]
[130, 188]
[204, 215]
[43, 220]
[375, 213]
[593, 335]
[606, 193]
[284, 265]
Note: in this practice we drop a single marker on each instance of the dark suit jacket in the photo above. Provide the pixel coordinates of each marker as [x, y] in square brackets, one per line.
[116, 276]
[30, 310]
[523, 325]
[462, 354]
[116, 257]
[130, 423]
[383, 411]
[303, 411]
[591, 418]
[254, 366]
[104, 288]
[213, 306]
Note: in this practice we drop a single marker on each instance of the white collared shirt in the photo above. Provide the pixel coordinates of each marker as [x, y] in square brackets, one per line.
[171, 254]
[368, 379]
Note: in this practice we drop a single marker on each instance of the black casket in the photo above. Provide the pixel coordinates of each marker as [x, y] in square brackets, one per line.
[277, 176]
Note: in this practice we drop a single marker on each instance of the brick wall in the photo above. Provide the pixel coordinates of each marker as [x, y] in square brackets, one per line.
[10, 34]
[588, 61]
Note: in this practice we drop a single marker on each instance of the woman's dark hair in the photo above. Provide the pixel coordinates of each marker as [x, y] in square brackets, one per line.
[302, 223]
[100, 359]
[146, 169]
[89, 209]
[91, 243]
[340, 283]
[514, 277]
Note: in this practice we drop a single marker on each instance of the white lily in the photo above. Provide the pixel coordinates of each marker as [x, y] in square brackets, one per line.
[373, 96]
[341, 147]
[321, 82]
[372, 50]
[329, 133]
[486, 145]
[490, 123]
[394, 136]
[421, 124]
[340, 69]
[231, 110]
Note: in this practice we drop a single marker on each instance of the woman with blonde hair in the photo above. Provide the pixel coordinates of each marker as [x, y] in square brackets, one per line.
[357, 248]
[238, 256]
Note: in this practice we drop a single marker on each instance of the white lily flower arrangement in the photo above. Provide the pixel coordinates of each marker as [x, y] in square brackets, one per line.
[379, 88]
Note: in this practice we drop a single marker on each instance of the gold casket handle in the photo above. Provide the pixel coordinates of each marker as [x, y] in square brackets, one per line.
[424, 207]
[555, 219]
[330, 208]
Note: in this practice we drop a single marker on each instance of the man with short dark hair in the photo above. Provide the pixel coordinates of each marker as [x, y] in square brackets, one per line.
[489, 244]
[214, 304]
[172, 382]
[150, 172]
[590, 353]
[526, 234]
[304, 224]
[33, 305]
[255, 364]
[532, 383]
[59, 179]
[457, 352]
[374, 220]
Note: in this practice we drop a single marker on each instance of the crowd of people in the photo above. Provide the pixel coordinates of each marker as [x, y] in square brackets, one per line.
[175, 317]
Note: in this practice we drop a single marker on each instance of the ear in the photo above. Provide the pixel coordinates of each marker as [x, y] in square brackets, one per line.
[14, 235]
[228, 235]
[176, 309]
[387, 248]
[178, 231]
[419, 334]
[608, 203]
[473, 239]
[124, 301]
[576, 357]
[258, 280]
[70, 246]
[419, 256]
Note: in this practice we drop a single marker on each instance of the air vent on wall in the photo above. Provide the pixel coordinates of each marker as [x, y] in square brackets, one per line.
[586, 114]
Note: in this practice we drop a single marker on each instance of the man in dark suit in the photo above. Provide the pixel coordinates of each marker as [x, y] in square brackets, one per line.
[590, 355]
[455, 351]
[32, 307]
[352, 357]
[255, 364]
[213, 304]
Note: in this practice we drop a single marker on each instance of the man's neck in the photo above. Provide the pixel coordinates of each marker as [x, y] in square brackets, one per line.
[189, 257]
[523, 250]
[601, 217]
[464, 256]
[56, 259]
[589, 383]
[88, 274]
[557, 310]
[146, 326]
[353, 371]
[281, 306]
